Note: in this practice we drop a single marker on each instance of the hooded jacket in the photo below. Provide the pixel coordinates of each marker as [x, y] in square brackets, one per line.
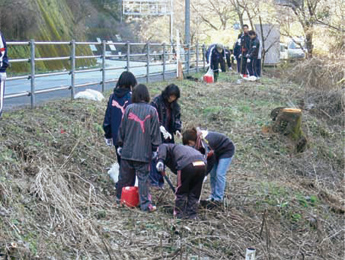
[139, 133]
[118, 101]
[178, 156]
[3, 54]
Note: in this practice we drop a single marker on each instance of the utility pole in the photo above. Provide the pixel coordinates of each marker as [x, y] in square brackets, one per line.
[187, 31]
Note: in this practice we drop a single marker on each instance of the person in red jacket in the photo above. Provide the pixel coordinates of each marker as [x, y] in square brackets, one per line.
[138, 139]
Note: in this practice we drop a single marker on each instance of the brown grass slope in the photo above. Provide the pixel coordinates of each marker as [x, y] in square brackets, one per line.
[57, 201]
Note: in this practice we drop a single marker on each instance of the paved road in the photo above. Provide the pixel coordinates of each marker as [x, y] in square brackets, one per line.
[19, 86]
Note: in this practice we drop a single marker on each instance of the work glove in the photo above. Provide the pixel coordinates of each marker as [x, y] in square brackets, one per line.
[248, 60]
[108, 141]
[165, 133]
[239, 56]
[178, 134]
[160, 166]
[119, 151]
[154, 155]
[230, 68]
[247, 55]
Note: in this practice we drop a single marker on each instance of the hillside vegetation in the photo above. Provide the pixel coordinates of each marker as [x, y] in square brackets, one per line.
[57, 200]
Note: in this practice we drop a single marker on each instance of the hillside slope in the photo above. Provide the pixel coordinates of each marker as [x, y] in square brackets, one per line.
[57, 201]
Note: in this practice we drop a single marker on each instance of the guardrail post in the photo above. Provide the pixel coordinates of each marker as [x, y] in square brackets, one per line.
[197, 57]
[188, 58]
[104, 49]
[128, 54]
[32, 76]
[164, 61]
[203, 56]
[148, 62]
[72, 69]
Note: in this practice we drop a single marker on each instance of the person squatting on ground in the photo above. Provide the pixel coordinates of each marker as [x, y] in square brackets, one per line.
[3, 66]
[224, 150]
[190, 167]
[252, 56]
[138, 140]
[215, 55]
[245, 46]
[118, 101]
[170, 123]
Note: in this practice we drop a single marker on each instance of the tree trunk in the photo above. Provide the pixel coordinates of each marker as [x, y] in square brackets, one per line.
[309, 39]
[288, 122]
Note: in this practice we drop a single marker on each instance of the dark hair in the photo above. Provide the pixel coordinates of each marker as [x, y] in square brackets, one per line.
[140, 94]
[251, 33]
[189, 135]
[245, 25]
[126, 80]
[171, 90]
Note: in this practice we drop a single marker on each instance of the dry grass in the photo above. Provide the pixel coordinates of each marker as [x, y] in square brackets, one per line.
[57, 201]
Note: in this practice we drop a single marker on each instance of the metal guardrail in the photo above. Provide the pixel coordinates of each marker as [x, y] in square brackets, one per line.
[164, 53]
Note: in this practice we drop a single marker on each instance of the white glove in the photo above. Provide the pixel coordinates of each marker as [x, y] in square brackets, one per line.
[248, 60]
[119, 151]
[154, 155]
[3, 76]
[239, 56]
[178, 134]
[109, 141]
[230, 68]
[165, 133]
[160, 166]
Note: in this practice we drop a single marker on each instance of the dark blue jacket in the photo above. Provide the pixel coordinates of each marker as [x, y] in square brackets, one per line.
[254, 48]
[3, 54]
[213, 56]
[245, 43]
[237, 49]
[118, 101]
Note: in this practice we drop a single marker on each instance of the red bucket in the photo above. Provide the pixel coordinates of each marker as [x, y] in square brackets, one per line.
[208, 78]
[130, 196]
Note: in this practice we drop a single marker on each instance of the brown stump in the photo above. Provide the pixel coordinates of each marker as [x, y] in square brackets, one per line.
[288, 121]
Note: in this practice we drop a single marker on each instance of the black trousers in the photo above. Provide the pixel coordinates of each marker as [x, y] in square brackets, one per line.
[244, 63]
[189, 184]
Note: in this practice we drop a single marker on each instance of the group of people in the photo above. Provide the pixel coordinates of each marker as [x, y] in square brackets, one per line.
[144, 133]
[247, 52]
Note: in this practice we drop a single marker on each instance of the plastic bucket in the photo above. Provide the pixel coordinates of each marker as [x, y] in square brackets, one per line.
[130, 196]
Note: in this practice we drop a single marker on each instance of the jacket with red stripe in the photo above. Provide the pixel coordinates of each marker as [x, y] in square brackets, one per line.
[139, 133]
[3, 54]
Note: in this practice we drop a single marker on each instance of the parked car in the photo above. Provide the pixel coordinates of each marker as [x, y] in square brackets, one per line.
[294, 49]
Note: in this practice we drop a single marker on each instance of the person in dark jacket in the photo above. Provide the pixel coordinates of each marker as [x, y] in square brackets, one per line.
[3, 66]
[215, 55]
[138, 140]
[190, 167]
[118, 101]
[170, 123]
[245, 46]
[237, 52]
[223, 149]
[253, 53]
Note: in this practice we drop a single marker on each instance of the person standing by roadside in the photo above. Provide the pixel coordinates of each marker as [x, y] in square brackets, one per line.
[138, 140]
[118, 101]
[245, 46]
[3, 66]
[253, 52]
[170, 123]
